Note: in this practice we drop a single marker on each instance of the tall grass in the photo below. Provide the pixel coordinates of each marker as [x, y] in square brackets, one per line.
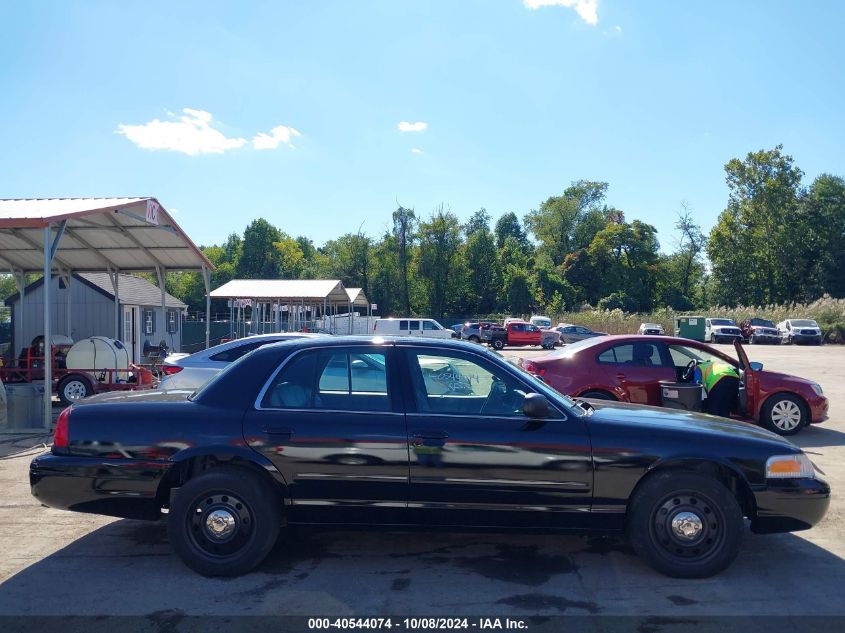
[827, 311]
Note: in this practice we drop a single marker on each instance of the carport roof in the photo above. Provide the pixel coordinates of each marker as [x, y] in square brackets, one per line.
[283, 289]
[357, 297]
[129, 234]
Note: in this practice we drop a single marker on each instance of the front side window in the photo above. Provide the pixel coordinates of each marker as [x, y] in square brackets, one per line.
[683, 354]
[455, 384]
[338, 379]
[430, 325]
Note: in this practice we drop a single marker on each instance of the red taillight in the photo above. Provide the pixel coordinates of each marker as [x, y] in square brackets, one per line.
[531, 368]
[61, 437]
[169, 370]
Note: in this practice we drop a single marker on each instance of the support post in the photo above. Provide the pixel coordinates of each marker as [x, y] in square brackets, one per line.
[68, 312]
[206, 279]
[160, 273]
[114, 277]
[20, 282]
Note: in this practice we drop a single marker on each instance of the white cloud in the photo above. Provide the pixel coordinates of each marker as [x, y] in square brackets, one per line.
[416, 150]
[406, 126]
[279, 134]
[191, 134]
[587, 9]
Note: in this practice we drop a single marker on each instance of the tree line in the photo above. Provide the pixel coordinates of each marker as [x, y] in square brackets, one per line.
[777, 241]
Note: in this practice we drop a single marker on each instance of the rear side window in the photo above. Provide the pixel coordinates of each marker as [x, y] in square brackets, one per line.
[413, 325]
[234, 353]
[637, 354]
[403, 325]
[339, 379]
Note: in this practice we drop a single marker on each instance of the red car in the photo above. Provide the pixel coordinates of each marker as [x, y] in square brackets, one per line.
[630, 369]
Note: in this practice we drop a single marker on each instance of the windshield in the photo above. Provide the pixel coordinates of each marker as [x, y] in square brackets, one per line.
[762, 323]
[722, 322]
[804, 323]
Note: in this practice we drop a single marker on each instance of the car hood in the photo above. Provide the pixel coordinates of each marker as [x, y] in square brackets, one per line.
[776, 381]
[673, 419]
[147, 395]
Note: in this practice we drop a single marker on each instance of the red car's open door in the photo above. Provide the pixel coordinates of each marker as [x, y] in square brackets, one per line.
[748, 382]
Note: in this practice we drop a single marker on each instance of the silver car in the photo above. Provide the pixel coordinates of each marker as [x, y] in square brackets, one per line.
[570, 333]
[192, 371]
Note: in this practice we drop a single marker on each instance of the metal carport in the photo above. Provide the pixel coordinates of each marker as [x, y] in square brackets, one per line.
[91, 235]
[299, 296]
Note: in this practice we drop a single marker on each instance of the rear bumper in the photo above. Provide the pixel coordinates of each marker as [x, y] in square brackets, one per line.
[790, 505]
[123, 488]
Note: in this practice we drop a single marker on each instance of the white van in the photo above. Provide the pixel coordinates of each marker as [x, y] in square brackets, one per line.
[411, 327]
[542, 322]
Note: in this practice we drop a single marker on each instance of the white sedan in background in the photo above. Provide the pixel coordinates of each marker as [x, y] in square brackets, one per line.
[192, 371]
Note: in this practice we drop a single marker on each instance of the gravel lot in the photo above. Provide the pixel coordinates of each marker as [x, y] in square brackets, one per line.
[62, 563]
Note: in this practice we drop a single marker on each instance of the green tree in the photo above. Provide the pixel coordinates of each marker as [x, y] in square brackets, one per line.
[258, 255]
[404, 231]
[509, 226]
[567, 222]
[483, 273]
[754, 244]
[478, 221]
[439, 240]
[823, 210]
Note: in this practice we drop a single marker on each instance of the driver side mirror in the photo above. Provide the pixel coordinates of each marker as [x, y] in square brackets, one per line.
[755, 366]
[536, 405]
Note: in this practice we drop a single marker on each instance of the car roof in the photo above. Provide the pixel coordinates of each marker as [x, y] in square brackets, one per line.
[359, 340]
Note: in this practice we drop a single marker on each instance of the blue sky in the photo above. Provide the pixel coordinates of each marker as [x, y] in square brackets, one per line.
[294, 108]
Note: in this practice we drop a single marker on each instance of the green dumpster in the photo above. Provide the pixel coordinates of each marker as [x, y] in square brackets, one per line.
[691, 327]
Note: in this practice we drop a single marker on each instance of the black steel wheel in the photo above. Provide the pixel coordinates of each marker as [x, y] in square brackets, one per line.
[224, 522]
[685, 525]
[498, 344]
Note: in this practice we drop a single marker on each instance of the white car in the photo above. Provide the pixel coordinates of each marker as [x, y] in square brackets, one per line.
[800, 331]
[428, 328]
[192, 371]
[651, 328]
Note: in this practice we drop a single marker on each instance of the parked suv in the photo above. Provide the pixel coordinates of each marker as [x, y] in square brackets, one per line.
[474, 331]
[756, 331]
[721, 331]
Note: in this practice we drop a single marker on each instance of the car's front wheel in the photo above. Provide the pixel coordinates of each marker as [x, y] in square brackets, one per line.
[685, 525]
[784, 414]
[474, 339]
[498, 344]
[224, 522]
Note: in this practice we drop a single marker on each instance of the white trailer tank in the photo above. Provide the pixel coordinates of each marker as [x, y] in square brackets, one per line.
[99, 352]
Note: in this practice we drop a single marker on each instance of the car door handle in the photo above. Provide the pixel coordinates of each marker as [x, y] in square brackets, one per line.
[620, 376]
[277, 431]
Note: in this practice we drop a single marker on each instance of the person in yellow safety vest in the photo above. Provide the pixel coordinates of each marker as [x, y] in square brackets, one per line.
[721, 383]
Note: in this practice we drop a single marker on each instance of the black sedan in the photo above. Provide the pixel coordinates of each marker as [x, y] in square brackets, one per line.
[419, 432]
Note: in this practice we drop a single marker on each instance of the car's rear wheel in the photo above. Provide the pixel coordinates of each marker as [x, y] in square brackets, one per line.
[784, 414]
[685, 525]
[224, 522]
[597, 395]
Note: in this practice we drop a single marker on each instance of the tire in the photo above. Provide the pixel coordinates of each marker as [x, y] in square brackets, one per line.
[598, 395]
[784, 414]
[685, 525]
[474, 339]
[240, 497]
[498, 344]
[73, 388]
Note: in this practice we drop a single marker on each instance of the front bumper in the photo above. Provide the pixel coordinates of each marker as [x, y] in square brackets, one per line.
[809, 339]
[726, 338]
[790, 505]
[123, 488]
[818, 409]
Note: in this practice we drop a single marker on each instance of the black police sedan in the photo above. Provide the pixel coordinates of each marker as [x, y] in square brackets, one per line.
[409, 432]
